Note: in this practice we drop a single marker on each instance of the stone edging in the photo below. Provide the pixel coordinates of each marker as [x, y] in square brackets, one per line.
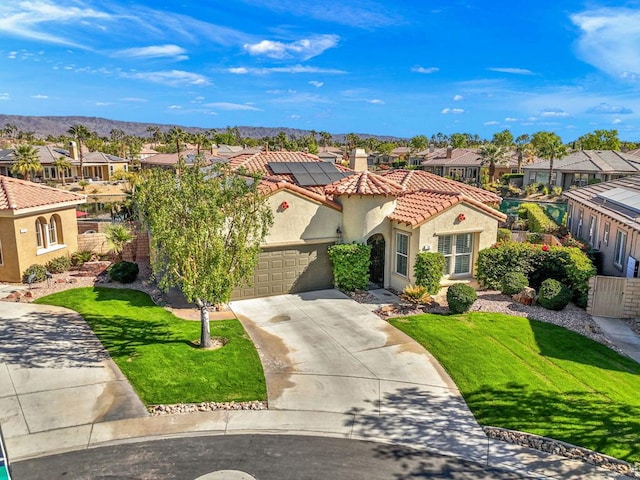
[156, 410]
[557, 447]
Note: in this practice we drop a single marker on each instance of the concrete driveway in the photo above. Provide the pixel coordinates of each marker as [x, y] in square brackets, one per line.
[323, 352]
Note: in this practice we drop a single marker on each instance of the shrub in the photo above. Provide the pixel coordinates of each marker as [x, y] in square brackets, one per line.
[350, 265]
[460, 297]
[123, 272]
[416, 294]
[538, 220]
[535, 237]
[579, 269]
[504, 235]
[80, 257]
[428, 270]
[38, 271]
[556, 191]
[507, 177]
[514, 282]
[553, 295]
[58, 264]
[531, 188]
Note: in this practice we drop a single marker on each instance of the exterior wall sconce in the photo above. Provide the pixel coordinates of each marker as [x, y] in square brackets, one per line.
[284, 206]
[461, 217]
[339, 232]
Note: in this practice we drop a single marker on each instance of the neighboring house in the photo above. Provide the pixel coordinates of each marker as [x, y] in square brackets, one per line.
[463, 164]
[607, 216]
[583, 167]
[399, 213]
[330, 154]
[96, 165]
[396, 155]
[170, 160]
[37, 224]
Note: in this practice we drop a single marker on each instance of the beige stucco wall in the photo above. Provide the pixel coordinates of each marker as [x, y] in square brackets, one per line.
[10, 268]
[364, 216]
[305, 221]
[483, 226]
[25, 251]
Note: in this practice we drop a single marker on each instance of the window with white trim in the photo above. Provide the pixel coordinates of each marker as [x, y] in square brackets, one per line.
[621, 241]
[402, 254]
[605, 235]
[53, 230]
[41, 232]
[579, 229]
[592, 229]
[457, 251]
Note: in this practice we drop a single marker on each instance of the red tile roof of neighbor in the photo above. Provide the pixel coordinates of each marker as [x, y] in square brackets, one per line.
[364, 183]
[16, 194]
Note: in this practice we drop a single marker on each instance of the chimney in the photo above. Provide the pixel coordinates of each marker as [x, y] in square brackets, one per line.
[358, 160]
[449, 151]
[73, 150]
[432, 148]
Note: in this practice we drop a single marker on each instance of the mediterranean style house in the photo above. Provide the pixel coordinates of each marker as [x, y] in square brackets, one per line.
[398, 212]
[462, 164]
[582, 168]
[96, 166]
[607, 216]
[37, 224]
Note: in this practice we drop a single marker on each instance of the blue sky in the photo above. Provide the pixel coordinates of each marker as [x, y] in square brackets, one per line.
[401, 68]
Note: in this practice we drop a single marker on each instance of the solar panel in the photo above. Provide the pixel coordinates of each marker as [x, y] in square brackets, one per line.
[313, 167]
[279, 168]
[304, 179]
[623, 197]
[298, 167]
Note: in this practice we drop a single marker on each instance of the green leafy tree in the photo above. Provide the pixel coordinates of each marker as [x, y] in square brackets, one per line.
[418, 143]
[523, 146]
[458, 140]
[26, 161]
[549, 146]
[503, 138]
[61, 165]
[600, 140]
[492, 155]
[81, 134]
[206, 232]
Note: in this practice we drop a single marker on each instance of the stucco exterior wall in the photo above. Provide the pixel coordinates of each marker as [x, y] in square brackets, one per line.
[10, 268]
[364, 216]
[304, 221]
[482, 226]
[26, 252]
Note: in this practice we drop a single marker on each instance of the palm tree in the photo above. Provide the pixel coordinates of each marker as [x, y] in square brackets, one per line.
[81, 134]
[62, 164]
[550, 147]
[177, 135]
[522, 145]
[492, 155]
[118, 236]
[26, 161]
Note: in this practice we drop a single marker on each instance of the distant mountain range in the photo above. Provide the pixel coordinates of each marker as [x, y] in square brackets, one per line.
[56, 126]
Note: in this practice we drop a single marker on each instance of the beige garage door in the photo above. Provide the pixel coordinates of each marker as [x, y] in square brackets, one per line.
[289, 270]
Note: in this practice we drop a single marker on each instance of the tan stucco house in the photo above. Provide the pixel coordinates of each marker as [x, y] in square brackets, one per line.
[398, 212]
[37, 224]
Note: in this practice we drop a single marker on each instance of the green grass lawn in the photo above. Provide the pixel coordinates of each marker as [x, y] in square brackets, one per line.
[154, 349]
[536, 377]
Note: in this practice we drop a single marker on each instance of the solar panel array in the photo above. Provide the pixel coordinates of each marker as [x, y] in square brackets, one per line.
[623, 197]
[309, 174]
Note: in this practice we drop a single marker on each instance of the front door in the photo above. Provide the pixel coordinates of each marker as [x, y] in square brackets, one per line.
[376, 268]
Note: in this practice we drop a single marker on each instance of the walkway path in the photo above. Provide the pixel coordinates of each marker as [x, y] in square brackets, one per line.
[620, 335]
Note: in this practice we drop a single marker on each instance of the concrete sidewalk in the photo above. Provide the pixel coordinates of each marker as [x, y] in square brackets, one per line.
[619, 333]
[333, 369]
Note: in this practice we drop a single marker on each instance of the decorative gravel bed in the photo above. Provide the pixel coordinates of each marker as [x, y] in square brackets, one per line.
[156, 410]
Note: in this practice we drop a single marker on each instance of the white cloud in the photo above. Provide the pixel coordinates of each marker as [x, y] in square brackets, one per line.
[40, 96]
[454, 111]
[12, 55]
[514, 71]
[170, 77]
[155, 51]
[232, 106]
[418, 69]
[5, 96]
[304, 49]
[174, 107]
[510, 119]
[457, 98]
[376, 101]
[316, 84]
[289, 69]
[134, 99]
[553, 113]
[617, 121]
[605, 108]
[491, 122]
[295, 117]
[610, 39]
[103, 104]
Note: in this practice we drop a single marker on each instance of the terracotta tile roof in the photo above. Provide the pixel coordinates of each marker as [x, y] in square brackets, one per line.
[16, 194]
[364, 183]
[272, 186]
[416, 180]
[417, 207]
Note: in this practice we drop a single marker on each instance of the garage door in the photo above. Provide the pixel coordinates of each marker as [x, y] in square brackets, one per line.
[289, 270]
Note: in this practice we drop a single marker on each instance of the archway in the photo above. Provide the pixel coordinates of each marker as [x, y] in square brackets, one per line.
[376, 268]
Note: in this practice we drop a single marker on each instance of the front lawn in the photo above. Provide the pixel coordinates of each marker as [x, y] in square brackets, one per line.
[154, 349]
[536, 377]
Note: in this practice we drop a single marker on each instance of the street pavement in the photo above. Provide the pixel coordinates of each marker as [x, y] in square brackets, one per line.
[333, 369]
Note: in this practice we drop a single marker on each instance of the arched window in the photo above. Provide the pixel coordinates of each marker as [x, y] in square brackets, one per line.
[41, 232]
[54, 230]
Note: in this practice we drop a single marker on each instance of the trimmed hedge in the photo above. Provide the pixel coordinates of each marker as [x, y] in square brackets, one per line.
[568, 265]
[460, 297]
[124, 272]
[350, 265]
[553, 295]
[537, 220]
[428, 270]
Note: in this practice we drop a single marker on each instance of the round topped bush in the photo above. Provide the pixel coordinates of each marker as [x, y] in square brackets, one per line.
[513, 282]
[460, 297]
[553, 295]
